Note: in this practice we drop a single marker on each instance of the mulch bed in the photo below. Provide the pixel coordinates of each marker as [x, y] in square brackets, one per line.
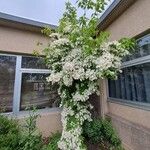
[46, 140]
[93, 147]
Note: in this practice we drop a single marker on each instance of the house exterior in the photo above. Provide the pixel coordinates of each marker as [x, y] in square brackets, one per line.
[127, 100]
[23, 76]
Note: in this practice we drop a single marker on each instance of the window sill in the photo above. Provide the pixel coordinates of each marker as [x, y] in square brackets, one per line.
[22, 114]
[133, 104]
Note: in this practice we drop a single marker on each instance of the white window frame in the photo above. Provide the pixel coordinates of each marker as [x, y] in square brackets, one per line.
[18, 82]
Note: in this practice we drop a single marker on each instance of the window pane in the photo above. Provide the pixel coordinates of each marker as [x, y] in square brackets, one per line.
[132, 84]
[33, 62]
[143, 48]
[37, 92]
[7, 77]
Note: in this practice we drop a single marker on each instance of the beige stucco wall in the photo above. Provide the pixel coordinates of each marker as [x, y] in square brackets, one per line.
[48, 122]
[136, 115]
[22, 41]
[132, 22]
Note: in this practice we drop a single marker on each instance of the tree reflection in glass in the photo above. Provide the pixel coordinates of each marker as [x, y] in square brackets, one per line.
[7, 77]
[132, 84]
[37, 92]
[33, 62]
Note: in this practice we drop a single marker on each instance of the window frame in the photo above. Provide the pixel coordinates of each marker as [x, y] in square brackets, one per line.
[18, 82]
[130, 63]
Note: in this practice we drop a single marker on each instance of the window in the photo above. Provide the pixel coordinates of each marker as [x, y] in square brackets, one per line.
[7, 78]
[23, 83]
[133, 84]
[35, 91]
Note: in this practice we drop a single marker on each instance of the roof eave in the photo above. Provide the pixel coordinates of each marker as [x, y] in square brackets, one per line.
[113, 12]
[23, 23]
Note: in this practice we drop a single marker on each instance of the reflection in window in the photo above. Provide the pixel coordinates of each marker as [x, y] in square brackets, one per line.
[7, 77]
[37, 92]
[143, 48]
[132, 84]
[33, 62]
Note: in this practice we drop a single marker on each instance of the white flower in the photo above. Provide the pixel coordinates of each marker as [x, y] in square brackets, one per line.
[67, 80]
[68, 66]
[105, 61]
[91, 106]
[78, 74]
[67, 29]
[60, 42]
[91, 75]
[116, 43]
[55, 35]
[54, 77]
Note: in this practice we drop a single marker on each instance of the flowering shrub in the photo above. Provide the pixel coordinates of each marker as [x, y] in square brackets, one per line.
[101, 132]
[52, 145]
[77, 57]
[9, 133]
[14, 136]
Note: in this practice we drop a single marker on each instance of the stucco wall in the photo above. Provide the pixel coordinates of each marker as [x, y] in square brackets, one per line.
[133, 124]
[134, 136]
[22, 41]
[136, 115]
[132, 22]
[48, 122]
